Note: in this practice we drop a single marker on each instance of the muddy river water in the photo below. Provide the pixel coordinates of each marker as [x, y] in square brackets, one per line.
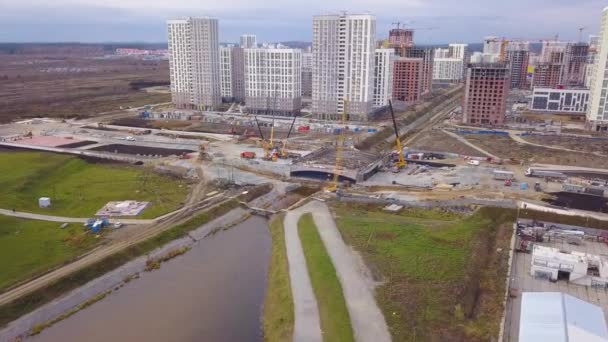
[214, 292]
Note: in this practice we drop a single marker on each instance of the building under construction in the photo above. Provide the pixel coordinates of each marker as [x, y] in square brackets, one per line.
[486, 91]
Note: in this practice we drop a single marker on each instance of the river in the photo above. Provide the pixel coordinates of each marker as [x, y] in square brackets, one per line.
[215, 292]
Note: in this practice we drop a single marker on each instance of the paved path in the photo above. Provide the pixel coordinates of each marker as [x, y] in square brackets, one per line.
[366, 318]
[307, 325]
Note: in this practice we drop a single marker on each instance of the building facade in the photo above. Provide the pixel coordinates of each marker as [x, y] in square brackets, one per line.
[400, 40]
[343, 50]
[597, 115]
[427, 55]
[448, 69]
[560, 100]
[407, 79]
[383, 77]
[226, 73]
[194, 62]
[486, 91]
[248, 41]
[518, 58]
[307, 74]
[577, 56]
[273, 81]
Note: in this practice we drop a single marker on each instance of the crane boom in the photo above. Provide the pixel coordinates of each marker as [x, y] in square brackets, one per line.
[283, 152]
[401, 162]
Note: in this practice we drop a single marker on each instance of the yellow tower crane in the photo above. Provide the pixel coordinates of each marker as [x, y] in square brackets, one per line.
[339, 150]
[401, 162]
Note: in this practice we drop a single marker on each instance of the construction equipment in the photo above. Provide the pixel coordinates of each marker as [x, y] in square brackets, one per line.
[401, 161]
[284, 153]
[339, 149]
[248, 155]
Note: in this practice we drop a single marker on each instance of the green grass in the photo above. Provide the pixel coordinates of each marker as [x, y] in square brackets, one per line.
[335, 320]
[30, 247]
[443, 279]
[32, 301]
[79, 188]
[278, 305]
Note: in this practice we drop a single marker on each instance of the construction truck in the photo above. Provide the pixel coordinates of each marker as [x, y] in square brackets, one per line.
[248, 155]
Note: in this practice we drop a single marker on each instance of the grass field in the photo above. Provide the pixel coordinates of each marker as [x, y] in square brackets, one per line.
[79, 188]
[443, 277]
[29, 247]
[335, 320]
[278, 305]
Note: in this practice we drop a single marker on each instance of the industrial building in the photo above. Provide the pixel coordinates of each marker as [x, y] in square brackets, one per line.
[273, 81]
[383, 77]
[194, 62]
[560, 100]
[597, 114]
[343, 50]
[555, 316]
[575, 267]
[486, 91]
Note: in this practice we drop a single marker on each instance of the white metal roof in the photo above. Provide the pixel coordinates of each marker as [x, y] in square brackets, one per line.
[556, 317]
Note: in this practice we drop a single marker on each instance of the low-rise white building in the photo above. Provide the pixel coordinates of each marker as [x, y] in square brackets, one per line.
[575, 267]
[273, 81]
[560, 100]
[383, 77]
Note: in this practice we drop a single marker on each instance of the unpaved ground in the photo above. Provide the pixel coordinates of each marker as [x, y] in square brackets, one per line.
[68, 86]
[573, 143]
[506, 148]
[437, 141]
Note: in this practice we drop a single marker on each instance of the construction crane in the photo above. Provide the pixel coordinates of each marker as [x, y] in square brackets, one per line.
[401, 162]
[339, 150]
[284, 153]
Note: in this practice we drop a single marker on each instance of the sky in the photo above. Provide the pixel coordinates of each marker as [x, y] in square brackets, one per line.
[436, 21]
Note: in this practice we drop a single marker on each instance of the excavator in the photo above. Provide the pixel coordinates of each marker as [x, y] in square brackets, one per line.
[400, 163]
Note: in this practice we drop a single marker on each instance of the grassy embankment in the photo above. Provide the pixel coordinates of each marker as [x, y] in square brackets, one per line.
[443, 274]
[335, 320]
[79, 188]
[29, 247]
[30, 302]
[278, 305]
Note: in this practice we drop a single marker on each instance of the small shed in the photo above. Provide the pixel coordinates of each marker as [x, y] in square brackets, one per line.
[44, 202]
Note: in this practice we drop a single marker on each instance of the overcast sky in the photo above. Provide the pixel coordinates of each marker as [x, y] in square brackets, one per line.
[439, 21]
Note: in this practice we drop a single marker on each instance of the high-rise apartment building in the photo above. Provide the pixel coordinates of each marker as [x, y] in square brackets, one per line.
[226, 73]
[486, 91]
[307, 74]
[426, 54]
[407, 79]
[517, 54]
[590, 66]
[194, 62]
[597, 113]
[273, 81]
[343, 50]
[248, 41]
[577, 57]
[448, 64]
[383, 77]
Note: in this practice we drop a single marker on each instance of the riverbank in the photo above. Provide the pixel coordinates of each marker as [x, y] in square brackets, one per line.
[171, 238]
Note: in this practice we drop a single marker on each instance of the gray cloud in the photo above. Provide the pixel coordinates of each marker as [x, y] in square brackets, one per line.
[273, 20]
